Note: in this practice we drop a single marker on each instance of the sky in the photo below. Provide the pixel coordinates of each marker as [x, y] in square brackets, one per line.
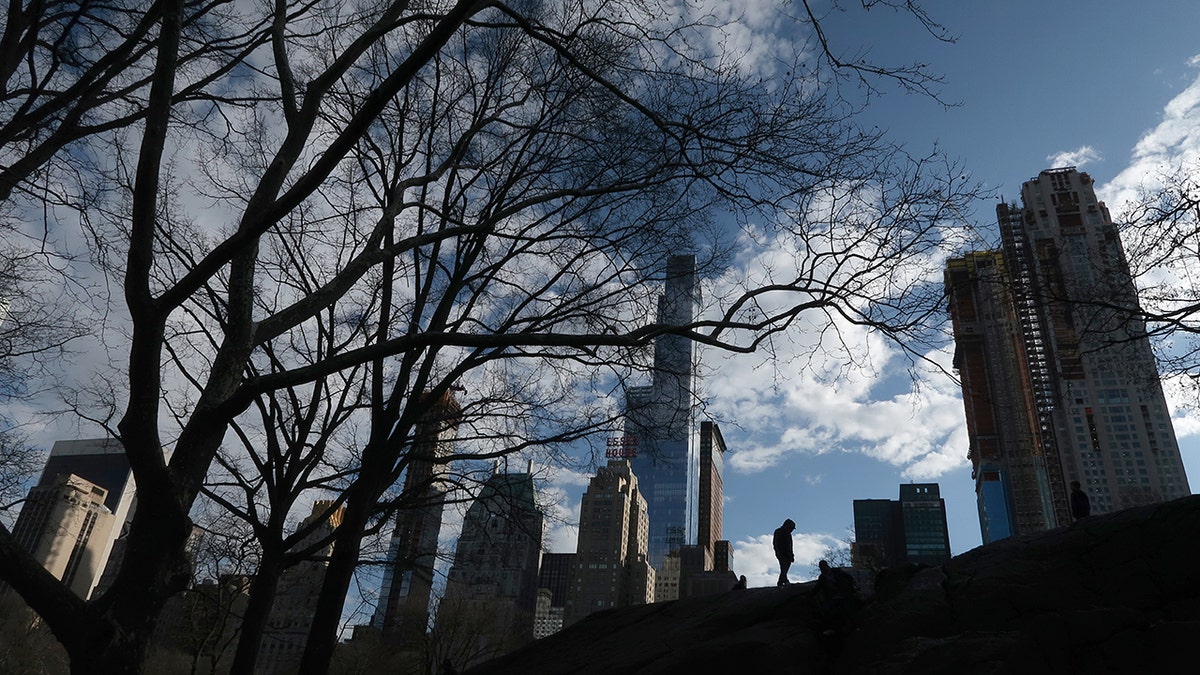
[1110, 87]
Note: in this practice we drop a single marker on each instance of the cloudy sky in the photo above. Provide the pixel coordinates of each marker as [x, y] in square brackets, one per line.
[1111, 87]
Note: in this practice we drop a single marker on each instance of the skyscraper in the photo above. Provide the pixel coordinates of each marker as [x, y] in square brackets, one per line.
[1059, 381]
[403, 610]
[65, 525]
[92, 476]
[661, 417]
[554, 583]
[710, 556]
[926, 535]
[491, 590]
[911, 530]
[712, 496]
[610, 567]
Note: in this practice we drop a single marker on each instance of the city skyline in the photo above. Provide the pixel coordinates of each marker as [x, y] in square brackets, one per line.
[258, 336]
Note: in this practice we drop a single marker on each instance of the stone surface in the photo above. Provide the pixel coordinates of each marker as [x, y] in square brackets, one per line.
[1116, 593]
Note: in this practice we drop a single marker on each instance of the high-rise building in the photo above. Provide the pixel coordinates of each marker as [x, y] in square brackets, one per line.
[491, 590]
[1014, 471]
[554, 582]
[661, 417]
[66, 526]
[610, 567]
[98, 468]
[547, 619]
[291, 617]
[1059, 381]
[911, 530]
[667, 576]
[926, 535]
[403, 610]
[878, 534]
[711, 499]
[675, 574]
[555, 575]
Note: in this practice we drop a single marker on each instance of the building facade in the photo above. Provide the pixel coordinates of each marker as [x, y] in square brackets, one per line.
[912, 530]
[547, 619]
[1059, 380]
[711, 498]
[288, 625]
[1012, 454]
[662, 418]
[403, 610]
[554, 582]
[76, 472]
[491, 589]
[66, 526]
[610, 567]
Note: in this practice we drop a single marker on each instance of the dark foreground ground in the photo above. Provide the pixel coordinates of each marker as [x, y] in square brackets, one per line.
[1118, 593]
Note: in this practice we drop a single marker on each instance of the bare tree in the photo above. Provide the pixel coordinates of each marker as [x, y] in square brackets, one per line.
[18, 464]
[324, 217]
[1161, 235]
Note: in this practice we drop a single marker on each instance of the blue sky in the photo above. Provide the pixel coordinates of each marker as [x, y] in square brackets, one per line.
[1112, 87]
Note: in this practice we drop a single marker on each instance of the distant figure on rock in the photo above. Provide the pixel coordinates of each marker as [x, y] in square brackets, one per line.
[741, 584]
[783, 550]
[1081, 506]
[837, 606]
[835, 584]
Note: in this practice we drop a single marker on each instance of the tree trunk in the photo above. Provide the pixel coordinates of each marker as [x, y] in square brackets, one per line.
[322, 637]
[258, 611]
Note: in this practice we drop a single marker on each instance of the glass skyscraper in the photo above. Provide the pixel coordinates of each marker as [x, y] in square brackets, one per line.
[662, 418]
[913, 530]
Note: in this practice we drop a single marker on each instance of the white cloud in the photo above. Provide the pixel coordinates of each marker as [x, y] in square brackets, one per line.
[1173, 143]
[749, 35]
[1077, 157]
[913, 423]
[755, 557]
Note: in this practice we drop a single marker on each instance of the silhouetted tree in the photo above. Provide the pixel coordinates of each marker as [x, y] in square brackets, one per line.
[325, 217]
[1161, 235]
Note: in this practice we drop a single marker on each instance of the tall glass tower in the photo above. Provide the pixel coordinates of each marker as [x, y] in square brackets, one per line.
[662, 419]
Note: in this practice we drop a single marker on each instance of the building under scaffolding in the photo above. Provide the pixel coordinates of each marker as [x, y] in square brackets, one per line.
[1059, 382]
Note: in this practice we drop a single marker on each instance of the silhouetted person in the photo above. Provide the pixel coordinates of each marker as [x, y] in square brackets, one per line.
[783, 550]
[835, 583]
[741, 584]
[837, 604]
[1081, 506]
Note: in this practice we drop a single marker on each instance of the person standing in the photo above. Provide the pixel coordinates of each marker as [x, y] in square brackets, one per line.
[1081, 506]
[783, 549]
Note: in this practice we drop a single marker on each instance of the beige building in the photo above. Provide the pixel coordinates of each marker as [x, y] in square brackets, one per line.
[101, 462]
[1059, 380]
[611, 567]
[666, 580]
[67, 528]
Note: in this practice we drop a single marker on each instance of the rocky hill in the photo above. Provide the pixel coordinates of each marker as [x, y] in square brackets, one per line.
[1118, 593]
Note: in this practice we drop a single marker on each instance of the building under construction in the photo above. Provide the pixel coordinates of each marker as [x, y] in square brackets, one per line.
[1059, 381]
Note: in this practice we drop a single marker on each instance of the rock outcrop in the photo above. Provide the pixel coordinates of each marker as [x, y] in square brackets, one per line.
[1117, 593]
